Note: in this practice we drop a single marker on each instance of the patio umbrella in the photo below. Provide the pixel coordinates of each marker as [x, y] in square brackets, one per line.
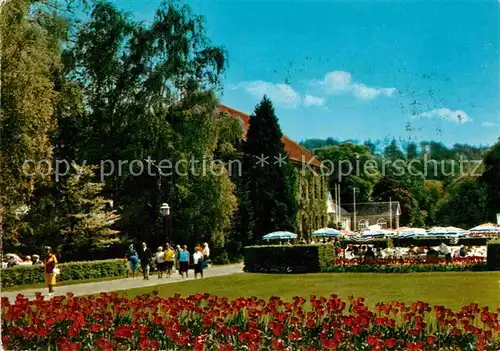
[377, 233]
[373, 234]
[485, 229]
[446, 232]
[281, 235]
[327, 232]
[407, 232]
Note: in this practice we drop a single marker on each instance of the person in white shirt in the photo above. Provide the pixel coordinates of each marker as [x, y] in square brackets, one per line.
[198, 263]
[445, 250]
[160, 262]
[206, 252]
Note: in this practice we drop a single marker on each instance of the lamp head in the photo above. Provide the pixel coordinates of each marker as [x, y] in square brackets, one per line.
[165, 209]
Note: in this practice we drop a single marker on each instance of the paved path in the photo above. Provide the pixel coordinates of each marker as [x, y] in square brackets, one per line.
[124, 283]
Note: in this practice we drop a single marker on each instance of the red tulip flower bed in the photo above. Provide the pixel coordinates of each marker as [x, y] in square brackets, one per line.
[460, 261]
[207, 322]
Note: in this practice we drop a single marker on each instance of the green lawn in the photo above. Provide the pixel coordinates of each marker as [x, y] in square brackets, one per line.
[452, 289]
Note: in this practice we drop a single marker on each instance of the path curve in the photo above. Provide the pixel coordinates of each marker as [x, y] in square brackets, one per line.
[124, 283]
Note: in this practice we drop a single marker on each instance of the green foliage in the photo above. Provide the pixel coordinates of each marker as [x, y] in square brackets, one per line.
[422, 177]
[393, 152]
[493, 255]
[28, 275]
[388, 188]
[148, 89]
[313, 144]
[344, 159]
[31, 49]
[491, 178]
[271, 187]
[411, 151]
[89, 220]
[466, 204]
[432, 193]
[326, 257]
[71, 214]
[312, 200]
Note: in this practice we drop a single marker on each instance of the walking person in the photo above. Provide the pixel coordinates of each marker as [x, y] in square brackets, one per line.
[445, 250]
[177, 256]
[49, 264]
[169, 260]
[36, 260]
[184, 262]
[198, 262]
[145, 258]
[132, 261]
[206, 252]
[160, 262]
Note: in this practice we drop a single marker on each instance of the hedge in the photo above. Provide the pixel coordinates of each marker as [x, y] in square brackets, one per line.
[493, 255]
[27, 275]
[288, 259]
[321, 258]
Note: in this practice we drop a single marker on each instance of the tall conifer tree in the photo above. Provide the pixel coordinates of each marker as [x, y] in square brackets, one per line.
[269, 176]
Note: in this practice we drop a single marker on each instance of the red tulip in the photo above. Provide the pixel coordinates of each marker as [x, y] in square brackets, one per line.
[390, 343]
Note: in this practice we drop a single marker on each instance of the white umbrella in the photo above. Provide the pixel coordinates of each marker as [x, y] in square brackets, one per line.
[446, 232]
[486, 228]
[411, 232]
[327, 232]
[281, 235]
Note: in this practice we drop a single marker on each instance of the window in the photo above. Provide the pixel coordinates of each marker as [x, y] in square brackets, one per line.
[382, 223]
[363, 224]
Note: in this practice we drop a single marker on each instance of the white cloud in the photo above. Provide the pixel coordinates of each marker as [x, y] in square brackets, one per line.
[457, 116]
[282, 95]
[310, 100]
[489, 124]
[341, 82]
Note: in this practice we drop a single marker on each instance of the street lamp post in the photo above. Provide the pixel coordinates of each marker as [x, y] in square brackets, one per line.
[165, 212]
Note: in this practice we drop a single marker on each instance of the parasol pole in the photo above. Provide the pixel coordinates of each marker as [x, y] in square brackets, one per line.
[340, 211]
[390, 212]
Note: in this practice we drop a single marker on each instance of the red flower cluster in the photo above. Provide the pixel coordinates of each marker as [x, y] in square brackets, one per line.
[462, 261]
[205, 322]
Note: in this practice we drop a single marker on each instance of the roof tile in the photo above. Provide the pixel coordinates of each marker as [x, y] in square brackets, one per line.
[295, 152]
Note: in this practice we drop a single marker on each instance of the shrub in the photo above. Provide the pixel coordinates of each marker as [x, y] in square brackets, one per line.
[326, 257]
[288, 259]
[493, 255]
[27, 275]
[224, 258]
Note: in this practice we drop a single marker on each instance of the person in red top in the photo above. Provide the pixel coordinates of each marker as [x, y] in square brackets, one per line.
[49, 263]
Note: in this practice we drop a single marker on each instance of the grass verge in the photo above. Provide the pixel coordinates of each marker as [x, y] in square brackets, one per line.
[452, 289]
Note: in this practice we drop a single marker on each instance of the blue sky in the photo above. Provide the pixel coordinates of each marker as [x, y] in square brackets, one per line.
[413, 70]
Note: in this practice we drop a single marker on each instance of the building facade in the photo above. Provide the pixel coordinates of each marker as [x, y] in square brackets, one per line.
[338, 215]
[384, 214]
[312, 182]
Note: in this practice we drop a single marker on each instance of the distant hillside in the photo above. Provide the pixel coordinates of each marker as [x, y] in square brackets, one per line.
[437, 149]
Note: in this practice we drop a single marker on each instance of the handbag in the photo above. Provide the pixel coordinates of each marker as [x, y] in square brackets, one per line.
[56, 271]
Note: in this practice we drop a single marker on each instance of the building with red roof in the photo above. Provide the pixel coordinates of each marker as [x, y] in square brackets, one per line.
[312, 186]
